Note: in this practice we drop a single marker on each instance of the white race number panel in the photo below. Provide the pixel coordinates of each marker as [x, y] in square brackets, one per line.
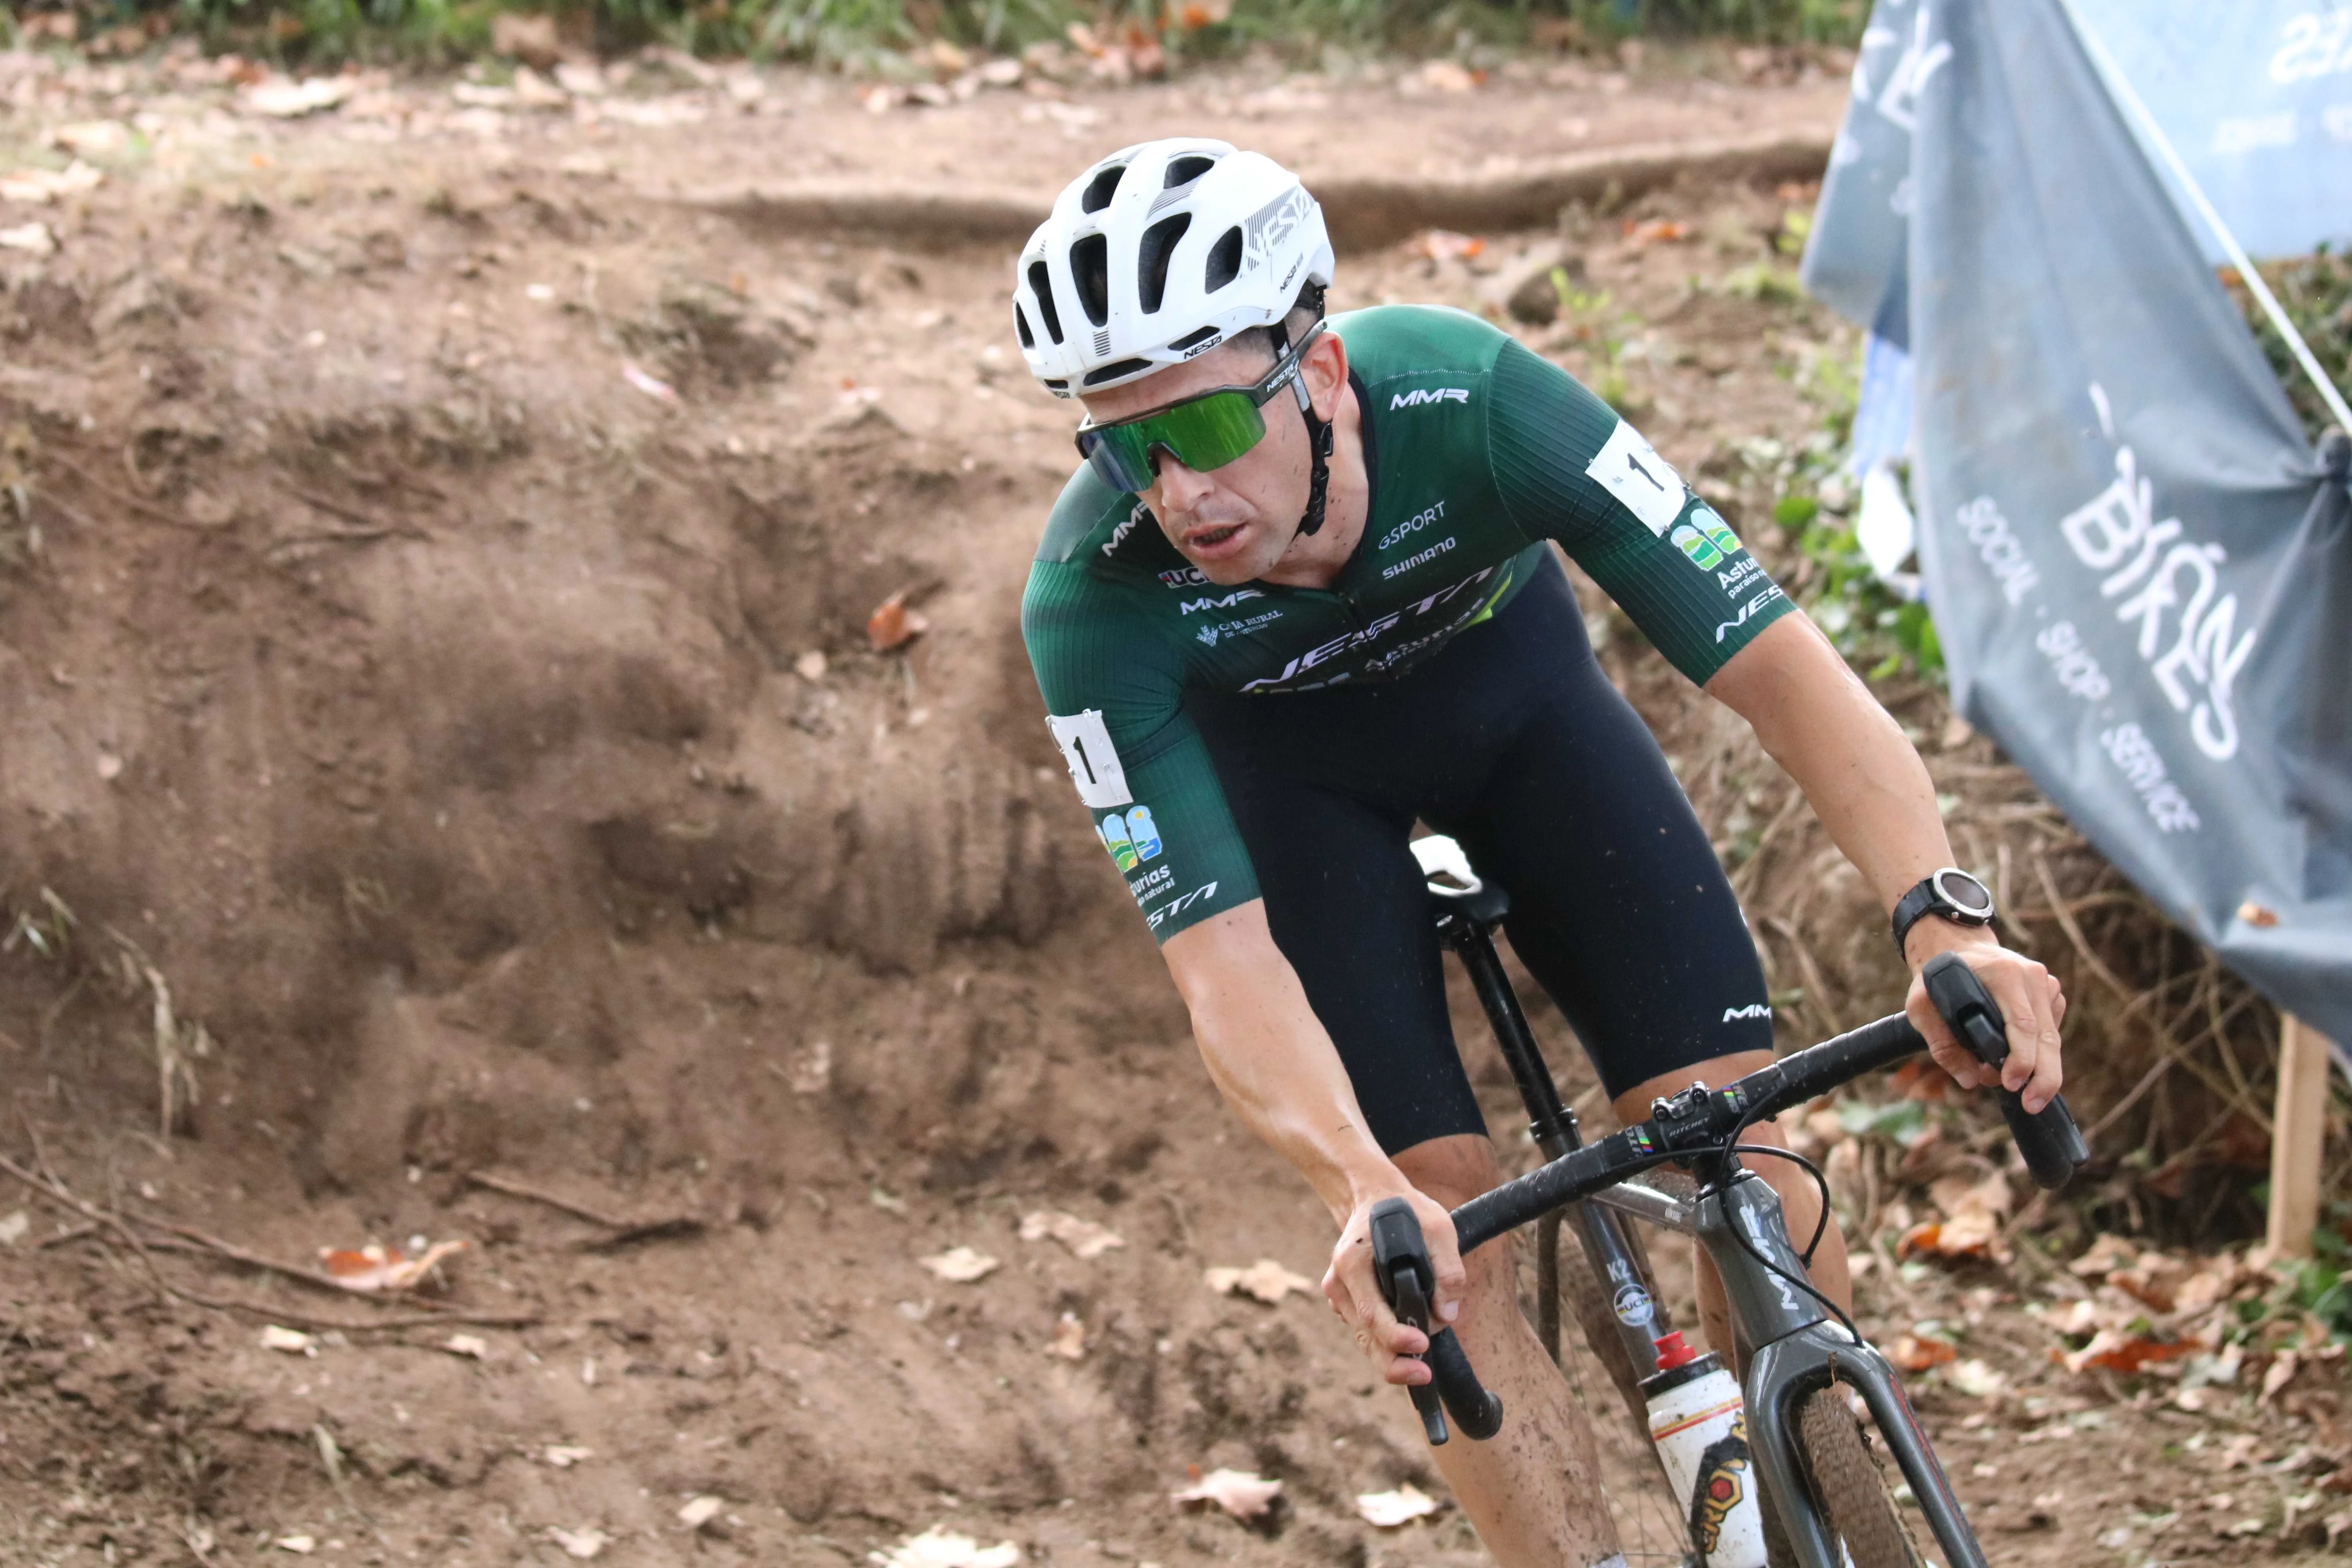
[1630, 469]
[1093, 761]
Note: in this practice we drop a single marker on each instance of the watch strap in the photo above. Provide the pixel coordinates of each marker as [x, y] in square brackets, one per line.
[1930, 896]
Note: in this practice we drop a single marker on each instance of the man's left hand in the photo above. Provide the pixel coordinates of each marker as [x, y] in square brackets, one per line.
[2030, 999]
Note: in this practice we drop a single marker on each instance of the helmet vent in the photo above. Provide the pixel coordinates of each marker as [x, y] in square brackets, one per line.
[1102, 339]
[1112, 371]
[1043, 286]
[1185, 170]
[1090, 270]
[1224, 260]
[1194, 340]
[1152, 257]
[1021, 326]
[1101, 188]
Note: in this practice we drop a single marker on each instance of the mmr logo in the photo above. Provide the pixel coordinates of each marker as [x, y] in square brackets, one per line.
[1421, 395]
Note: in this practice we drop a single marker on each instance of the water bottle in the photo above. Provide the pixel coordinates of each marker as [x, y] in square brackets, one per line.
[1700, 1426]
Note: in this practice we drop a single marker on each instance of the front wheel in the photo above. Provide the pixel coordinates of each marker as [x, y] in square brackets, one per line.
[1842, 1468]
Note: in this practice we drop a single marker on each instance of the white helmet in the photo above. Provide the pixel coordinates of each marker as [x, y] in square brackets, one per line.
[1158, 254]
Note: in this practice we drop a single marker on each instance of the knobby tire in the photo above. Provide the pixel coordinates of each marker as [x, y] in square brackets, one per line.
[1842, 1469]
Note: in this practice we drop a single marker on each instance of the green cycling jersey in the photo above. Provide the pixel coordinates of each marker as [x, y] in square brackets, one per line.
[1478, 452]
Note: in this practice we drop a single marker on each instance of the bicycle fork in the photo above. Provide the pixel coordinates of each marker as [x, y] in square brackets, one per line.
[1798, 1349]
[1641, 1318]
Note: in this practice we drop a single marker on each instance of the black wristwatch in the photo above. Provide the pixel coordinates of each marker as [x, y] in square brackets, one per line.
[1950, 894]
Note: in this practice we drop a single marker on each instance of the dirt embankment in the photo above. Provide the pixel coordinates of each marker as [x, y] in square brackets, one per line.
[432, 655]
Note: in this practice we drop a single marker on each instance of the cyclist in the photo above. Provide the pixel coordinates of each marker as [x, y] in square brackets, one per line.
[1300, 593]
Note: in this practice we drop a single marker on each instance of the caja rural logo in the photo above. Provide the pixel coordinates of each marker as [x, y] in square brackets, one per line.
[1132, 838]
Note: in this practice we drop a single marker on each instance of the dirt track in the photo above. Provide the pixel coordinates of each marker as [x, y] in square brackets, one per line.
[440, 665]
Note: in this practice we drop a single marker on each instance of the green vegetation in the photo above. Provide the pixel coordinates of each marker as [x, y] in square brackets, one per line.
[2316, 292]
[869, 31]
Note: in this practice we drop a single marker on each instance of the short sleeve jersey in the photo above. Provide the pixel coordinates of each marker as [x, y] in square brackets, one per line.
[1478, 453]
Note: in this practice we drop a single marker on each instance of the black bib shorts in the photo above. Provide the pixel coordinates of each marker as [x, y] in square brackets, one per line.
[1512, 740]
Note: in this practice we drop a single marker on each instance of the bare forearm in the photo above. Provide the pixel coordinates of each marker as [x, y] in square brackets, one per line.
[1859, 773]
[1270, 1057]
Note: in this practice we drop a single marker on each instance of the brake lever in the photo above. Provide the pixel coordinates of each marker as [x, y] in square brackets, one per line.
[1408, 1282]
[2049, 1141]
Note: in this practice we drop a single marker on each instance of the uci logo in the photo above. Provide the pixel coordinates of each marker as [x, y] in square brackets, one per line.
[1421, 395]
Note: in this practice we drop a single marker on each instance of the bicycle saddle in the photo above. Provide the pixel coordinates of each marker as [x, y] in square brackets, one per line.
[1454, 886]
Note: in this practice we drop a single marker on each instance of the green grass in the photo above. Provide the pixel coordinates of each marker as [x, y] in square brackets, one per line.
[2316, 293]
[321, 32]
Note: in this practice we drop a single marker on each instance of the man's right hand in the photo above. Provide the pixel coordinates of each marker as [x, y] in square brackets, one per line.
[1348, 1284]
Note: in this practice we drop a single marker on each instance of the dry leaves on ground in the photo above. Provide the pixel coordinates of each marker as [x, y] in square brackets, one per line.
[379, 1267]
[1387, 1510]
[292, 1341]
[583, 1543]
[1069, 1339]
[1973, 1215]
[1445, 244]
[940, 1547]
[960, 1265]
[1082, 1237]
[1268, 1280]
[1239, 1493]
[893, 624]
[701, 1510]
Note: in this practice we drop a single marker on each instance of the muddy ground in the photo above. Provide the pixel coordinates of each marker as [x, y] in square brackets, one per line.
[442, 762]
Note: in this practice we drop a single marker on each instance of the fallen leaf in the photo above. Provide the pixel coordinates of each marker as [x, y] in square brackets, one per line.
[293, 1341]
[1445, 244]
[1238, 1492]
[581, 1544]
[2107, 1252]
[39, 186]
[2279, 1373]
[812, 1068]
[2119, 1349]
[13, 1227]
[1069, 1338]
[379, 1267]
[301, 1546]
[1446, 76]
[1656, 230]
[1912, 1352]
[651, 386]
[700, 1512]
[564, 1456]
[94, 137]
[283, 99]
[472, 1345]
[810, 667]
[939, 1547]
[32, 237]
[2154, 1281]
[1386, 1510]
[892, 624]
[1082, 1237]
[1975, 1379]
[1268, 1280]
[960, 1265]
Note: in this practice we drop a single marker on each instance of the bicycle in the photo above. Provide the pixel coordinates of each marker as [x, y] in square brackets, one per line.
[1800, 1350]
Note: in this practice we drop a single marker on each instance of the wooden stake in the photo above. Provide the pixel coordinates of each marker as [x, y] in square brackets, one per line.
[2301, 1131]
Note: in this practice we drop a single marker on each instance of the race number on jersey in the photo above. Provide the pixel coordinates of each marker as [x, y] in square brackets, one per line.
[1094, 762]
[1630, 469]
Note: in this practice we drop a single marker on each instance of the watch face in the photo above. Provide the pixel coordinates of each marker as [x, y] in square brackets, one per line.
[1963, 892]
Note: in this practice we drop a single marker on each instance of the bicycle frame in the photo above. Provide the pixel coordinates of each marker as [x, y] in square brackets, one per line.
[1796, 1347]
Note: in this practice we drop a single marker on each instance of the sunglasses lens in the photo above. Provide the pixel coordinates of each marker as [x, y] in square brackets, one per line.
[1210, 432]
[1204, 434]
[1121, 456]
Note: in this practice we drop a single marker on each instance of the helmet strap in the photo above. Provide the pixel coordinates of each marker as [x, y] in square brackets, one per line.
[1319, 431]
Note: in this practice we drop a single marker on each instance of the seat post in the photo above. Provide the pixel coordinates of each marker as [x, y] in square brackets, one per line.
[1470, 933]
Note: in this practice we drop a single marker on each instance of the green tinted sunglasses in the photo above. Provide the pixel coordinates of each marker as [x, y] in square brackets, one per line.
[1203, 432]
